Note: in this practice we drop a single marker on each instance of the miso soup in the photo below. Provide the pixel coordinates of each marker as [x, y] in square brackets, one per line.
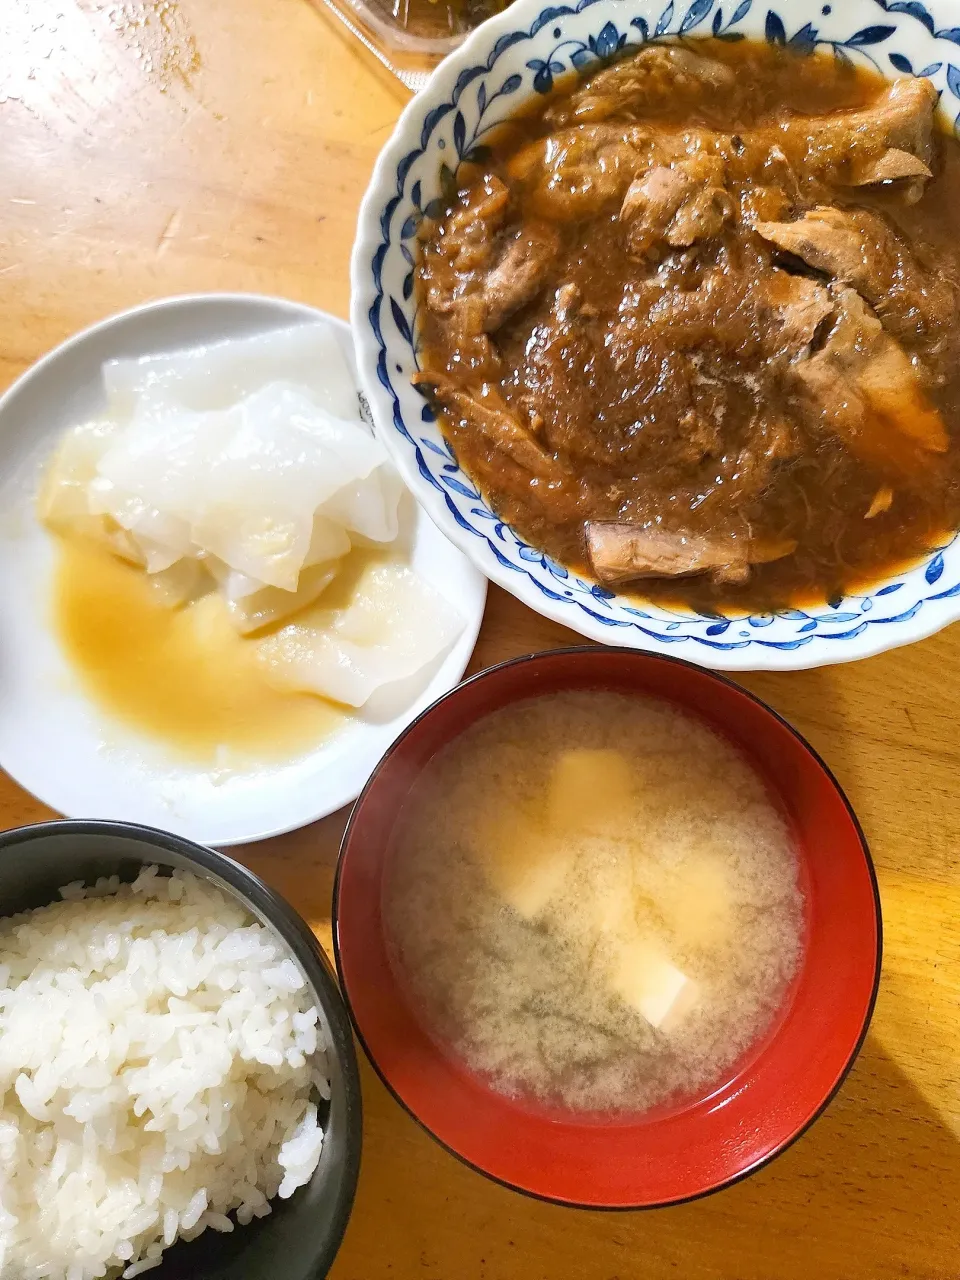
[593, 900]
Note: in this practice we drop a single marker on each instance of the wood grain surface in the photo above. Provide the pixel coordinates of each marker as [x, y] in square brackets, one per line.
[151, 148]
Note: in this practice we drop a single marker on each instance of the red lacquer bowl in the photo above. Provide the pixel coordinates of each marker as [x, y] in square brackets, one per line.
[675, 1152]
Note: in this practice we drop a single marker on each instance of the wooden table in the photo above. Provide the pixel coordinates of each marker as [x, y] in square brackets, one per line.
[150, 148]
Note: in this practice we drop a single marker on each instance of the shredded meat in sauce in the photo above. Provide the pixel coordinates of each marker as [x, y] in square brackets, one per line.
[688, 333]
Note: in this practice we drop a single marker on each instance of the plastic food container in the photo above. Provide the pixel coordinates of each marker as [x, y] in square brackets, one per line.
[411, 36]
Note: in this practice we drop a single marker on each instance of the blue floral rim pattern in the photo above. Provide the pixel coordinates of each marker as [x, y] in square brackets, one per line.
[521, 61]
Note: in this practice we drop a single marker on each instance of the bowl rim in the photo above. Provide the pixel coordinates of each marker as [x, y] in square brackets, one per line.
[568, 651]
[927, 608]
[302, 941]
[283, 813]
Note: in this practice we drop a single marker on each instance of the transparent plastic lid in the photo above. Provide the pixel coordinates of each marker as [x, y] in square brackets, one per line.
[411, 36]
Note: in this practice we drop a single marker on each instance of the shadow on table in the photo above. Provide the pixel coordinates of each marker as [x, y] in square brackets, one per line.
[869, 1192]
[872, 1182]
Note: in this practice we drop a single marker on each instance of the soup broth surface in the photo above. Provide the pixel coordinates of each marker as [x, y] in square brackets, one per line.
[603, 926]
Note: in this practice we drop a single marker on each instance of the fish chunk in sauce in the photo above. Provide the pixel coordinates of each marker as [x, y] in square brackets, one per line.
[693, 323]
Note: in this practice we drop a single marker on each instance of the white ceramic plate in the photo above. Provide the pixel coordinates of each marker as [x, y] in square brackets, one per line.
[59, 745]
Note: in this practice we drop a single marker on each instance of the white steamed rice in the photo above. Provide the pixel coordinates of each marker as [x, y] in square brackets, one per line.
[160, 1060]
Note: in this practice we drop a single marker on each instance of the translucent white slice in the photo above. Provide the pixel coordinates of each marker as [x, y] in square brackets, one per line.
[217, 375]
[369, 507]
[184, 581]
[162, 539]
[65, 503]
[247, 480]
[393, 626]
[237, 589]
[150, 476]
[329, 540]
[258, 609]
[233, 585]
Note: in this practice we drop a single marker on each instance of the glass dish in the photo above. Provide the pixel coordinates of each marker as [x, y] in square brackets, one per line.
[409, 37]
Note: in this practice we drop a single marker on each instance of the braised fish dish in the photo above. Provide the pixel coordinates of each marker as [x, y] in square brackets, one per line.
[691, 323]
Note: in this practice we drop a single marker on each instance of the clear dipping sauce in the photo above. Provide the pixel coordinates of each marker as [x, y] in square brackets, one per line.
[182, 676]
[592, 900]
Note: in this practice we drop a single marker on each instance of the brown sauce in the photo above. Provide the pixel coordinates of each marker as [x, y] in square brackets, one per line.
[612, 343]
[182, 676]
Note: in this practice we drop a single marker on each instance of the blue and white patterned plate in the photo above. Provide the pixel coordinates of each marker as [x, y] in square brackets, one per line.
[513, 57]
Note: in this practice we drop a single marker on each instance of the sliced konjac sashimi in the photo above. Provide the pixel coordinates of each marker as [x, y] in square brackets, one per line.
[394, 626]
[251, 606]
[244, 483]
[217, 375]
[66, 503]
[64, 499]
